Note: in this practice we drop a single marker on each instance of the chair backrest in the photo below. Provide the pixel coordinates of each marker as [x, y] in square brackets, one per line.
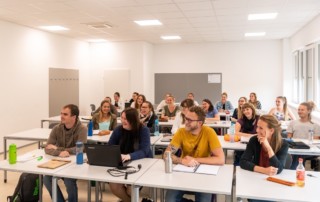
[288, 163]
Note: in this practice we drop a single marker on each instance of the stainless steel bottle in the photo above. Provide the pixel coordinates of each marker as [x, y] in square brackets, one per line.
[168, 162]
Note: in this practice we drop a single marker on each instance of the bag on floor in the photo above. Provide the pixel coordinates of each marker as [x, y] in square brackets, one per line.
[27, 189]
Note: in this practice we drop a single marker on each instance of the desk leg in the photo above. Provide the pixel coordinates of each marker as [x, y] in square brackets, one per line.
[97, 191]
[89, 190]
[5, 157]
[225, 151]
[40, 187]
[162, 195]
[135, 193]
[54, 189]
[154, 194]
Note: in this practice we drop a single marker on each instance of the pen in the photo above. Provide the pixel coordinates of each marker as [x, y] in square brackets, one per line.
[310, 175]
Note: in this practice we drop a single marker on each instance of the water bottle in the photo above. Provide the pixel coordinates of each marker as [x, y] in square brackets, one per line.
[79, 153]
[168, 162]
[90, 128]
[156, 127]
[231, 132]
[12, 154]
[300, 174]
[311, 136]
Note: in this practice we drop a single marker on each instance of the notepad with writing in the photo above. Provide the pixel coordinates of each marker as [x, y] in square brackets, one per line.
[201, 169]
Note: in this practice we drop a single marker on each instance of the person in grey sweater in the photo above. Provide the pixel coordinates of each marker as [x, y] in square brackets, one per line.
[62, 143]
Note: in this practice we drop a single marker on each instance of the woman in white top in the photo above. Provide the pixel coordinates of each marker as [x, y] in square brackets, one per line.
[179, 120]
[137, 104]
[281, 111]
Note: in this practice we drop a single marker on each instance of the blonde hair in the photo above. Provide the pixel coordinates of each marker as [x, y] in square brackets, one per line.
[276, 139]
[285, 107]
[255, 99]
[310, 107]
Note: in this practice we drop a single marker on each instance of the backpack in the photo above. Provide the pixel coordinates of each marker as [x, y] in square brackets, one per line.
[27, 189]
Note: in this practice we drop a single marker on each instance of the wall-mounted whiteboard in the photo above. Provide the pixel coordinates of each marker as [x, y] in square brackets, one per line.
[117, 80]
[203, 85]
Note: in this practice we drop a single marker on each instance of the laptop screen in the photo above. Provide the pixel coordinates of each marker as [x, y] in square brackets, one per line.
[103, 155]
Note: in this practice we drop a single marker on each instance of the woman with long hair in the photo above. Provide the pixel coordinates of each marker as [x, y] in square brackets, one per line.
[140, 99]
[211, 112]
[254, 101]
[134, 140]
[170, 110]
[238, 111]
[281, 111]
[104, 120]
[147, 115]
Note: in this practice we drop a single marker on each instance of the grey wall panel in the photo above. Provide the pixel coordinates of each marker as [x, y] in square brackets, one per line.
[63, 89]
[180, 84]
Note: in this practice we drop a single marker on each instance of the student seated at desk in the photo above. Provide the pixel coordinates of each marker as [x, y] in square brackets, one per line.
[179, 121]
[113, 109]
[133, 98]
[117, 101]
[238, 111]
[224, 105]
[163, 102]
[266, 152]
[199, 144]
[281, 111]
[104, 121]
[254, 101]
[191, 96]
[300, 129]
[170, 110]
[147, 115]
[246, 126]
[137, 104]
[62, 143]
[134, 141]
[212, 113]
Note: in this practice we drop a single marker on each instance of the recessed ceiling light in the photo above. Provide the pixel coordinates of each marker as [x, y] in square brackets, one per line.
[148, 22]
[262, 16]
[254, 34]
[54, 28]
[97, 40]
[170, 37]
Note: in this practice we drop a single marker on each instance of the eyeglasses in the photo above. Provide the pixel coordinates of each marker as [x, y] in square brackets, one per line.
[189, 120]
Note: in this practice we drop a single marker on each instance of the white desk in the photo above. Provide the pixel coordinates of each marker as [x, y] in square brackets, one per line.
[36, 134]
[57, 119]
[157, 178]
[223, 125]
[255, 186]
[31, 166]
[99, 174]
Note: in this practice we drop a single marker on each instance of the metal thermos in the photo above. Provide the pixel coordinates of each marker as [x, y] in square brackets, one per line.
[168, 162]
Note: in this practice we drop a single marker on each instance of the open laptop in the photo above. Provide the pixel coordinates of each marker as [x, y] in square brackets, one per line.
[105, 155]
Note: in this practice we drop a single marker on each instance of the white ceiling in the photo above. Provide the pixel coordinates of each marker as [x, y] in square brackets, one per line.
[193, 20]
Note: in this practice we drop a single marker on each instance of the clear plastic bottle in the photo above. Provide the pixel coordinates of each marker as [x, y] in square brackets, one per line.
[311, 136]
[156, 127]
[300, 174]
[231, 132]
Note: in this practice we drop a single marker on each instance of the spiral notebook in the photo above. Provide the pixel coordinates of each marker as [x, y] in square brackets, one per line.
[200, 169]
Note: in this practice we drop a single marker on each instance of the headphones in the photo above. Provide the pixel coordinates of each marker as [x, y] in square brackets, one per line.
[124, 171]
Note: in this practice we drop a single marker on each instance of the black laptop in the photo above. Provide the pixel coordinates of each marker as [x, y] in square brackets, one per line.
[105, 155]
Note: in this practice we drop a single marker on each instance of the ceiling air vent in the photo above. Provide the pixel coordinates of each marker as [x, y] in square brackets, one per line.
[99, 25]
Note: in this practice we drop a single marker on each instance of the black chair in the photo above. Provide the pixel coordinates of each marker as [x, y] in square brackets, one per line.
[288, 163]
[93, 108]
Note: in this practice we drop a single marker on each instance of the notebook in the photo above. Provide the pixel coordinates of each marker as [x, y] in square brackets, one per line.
[298, 145]
[105, 155]
[201, 169]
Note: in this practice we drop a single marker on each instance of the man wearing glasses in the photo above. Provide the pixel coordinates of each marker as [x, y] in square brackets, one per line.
[62, 143]
[199, 145]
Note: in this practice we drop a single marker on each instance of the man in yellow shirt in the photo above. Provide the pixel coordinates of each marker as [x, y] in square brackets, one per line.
[199, 145]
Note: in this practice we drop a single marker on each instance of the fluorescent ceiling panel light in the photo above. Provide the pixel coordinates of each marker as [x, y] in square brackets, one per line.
[262, 16]
[170, 37]
[97, 40]
[54, 28]
[148, 22]
[249, 34]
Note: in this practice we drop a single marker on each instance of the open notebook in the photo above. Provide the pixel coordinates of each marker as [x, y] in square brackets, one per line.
[201, 169]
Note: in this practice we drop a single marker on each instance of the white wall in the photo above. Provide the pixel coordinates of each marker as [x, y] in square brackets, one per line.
[25, 56]
[245, 66]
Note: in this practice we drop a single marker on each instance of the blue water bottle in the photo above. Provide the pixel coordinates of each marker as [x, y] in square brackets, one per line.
[90, 128]
[79, 152]
[156, 127]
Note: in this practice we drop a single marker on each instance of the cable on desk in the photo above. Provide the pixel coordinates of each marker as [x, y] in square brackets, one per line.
[115, 172]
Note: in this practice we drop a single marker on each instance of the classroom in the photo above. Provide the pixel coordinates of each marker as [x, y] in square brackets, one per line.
[271, 65]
